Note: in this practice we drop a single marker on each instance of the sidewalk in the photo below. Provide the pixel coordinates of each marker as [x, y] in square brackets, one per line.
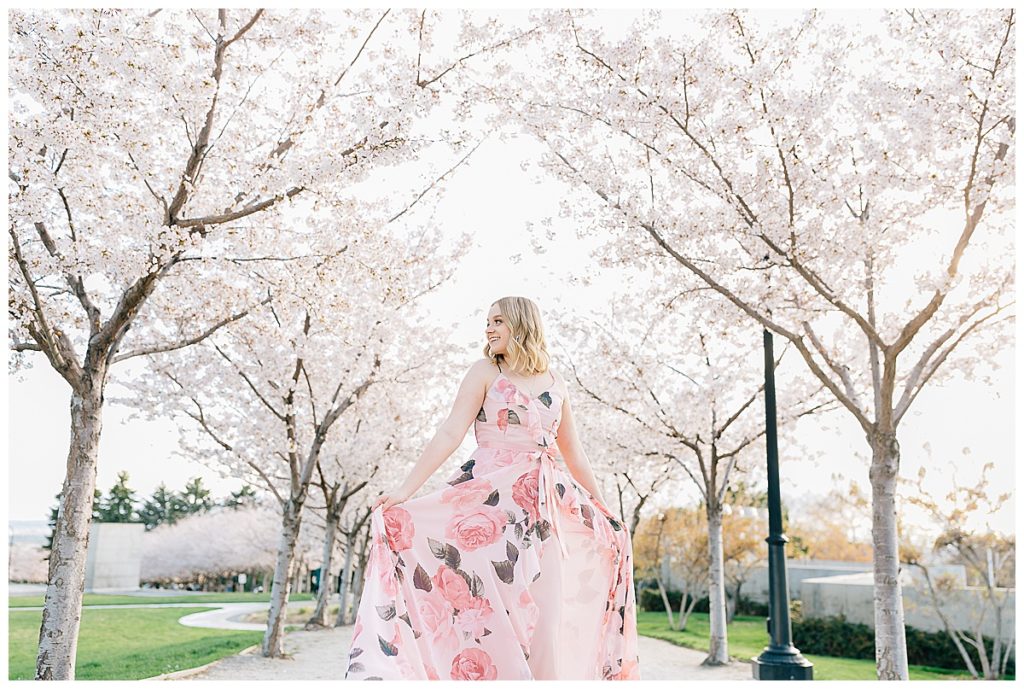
[319, 655]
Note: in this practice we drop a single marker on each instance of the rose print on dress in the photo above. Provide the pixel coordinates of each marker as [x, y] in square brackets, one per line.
[473, 664]
[400, 528]
[479, 527]
[467, 494]
[460, 582]
[524, 494]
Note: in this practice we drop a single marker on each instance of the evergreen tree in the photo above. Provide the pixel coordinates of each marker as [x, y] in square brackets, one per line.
[245, 497]
[195, 498]
[119, 506]
[163, 507]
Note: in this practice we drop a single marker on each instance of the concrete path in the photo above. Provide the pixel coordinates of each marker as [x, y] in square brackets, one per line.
[225, 616]
[318, 655]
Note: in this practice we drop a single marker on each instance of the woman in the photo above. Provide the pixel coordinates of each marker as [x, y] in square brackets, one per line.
[516, 570]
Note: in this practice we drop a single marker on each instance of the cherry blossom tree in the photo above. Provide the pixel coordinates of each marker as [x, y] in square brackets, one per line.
[354, 525]
[220, 542]
[268, 394]
[27, 563]
[849, 192]
[364, 447]
[690, 390]
[988, 558]
[148, 148]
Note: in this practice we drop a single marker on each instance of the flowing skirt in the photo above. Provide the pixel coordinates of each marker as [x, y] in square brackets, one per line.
[514, 571]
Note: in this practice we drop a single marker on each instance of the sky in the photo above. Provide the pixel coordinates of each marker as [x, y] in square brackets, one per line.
[952, 429]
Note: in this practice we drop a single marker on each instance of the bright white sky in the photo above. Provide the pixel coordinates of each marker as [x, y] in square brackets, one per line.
[964, 424]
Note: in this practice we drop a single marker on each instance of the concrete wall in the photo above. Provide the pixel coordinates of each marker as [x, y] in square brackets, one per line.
[756, 586]
[853, 596]
[797, 571]
[114, 558]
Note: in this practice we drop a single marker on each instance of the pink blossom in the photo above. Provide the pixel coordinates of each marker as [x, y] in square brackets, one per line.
[434, 609]
[399, 527]
[468, 494]
[452, 587]
[525, 493]
[503, 457]
[472, 618]
[473, 664]
[478, 528]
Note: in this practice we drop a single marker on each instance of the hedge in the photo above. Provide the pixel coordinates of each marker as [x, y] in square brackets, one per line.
[838, 637]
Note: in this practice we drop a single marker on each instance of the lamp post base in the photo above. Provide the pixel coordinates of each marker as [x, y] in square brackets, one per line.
[782, 663]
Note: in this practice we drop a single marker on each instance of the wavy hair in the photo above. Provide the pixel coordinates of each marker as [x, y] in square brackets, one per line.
[527, 350]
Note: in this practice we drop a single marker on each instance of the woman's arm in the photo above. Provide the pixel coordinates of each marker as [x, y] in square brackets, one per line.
[572, 451]
[452, 431]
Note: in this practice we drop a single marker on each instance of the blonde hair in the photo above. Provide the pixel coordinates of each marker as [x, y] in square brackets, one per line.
[527, 350]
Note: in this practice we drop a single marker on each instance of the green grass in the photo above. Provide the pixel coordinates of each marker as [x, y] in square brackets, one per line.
[198, 598]
[127, 644]
[748, 637]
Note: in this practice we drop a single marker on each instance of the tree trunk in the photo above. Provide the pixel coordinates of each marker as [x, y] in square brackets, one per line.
[718, 652]
[890, 635]
[665, 601]
[296, 579]
[273, 638]
[62, 607]
[323, 596]
[361, 558]
[686, 608]
[734, 604]
[346, 577]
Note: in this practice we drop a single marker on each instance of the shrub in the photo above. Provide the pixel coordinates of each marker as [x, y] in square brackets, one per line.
[838, 637]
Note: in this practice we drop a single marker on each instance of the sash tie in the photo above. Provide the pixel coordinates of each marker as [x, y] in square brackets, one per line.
[549, 495]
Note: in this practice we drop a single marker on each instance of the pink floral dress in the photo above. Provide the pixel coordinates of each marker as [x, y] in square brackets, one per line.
[512, 572]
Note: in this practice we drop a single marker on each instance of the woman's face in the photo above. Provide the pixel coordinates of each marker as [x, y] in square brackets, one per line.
[497, 331]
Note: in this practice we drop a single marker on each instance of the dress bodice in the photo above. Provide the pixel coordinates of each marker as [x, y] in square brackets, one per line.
[511, 418]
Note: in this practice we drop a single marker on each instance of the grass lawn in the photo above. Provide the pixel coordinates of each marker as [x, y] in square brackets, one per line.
[748, 637]
[128, 644]
[198, 598]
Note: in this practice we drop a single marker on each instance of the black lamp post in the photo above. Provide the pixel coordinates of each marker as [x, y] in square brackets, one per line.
[780, 659]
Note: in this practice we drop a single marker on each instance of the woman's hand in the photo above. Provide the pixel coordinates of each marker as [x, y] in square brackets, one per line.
[391, 498]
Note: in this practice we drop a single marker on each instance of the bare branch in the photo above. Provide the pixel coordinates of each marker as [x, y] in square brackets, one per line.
[906, 400]
[153, 349]
[252, 386]
[439, 179]
[840, 370]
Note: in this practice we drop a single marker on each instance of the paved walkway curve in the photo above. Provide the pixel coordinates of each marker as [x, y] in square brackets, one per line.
[319, 655]
[225, 616]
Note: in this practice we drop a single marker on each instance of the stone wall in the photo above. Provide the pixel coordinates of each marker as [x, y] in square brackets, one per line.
[114, 557]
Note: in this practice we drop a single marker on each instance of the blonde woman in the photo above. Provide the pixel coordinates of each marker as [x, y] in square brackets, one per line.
[517, 569]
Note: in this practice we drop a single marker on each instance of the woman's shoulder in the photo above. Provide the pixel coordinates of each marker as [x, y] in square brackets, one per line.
[484, 364]
[483, 369]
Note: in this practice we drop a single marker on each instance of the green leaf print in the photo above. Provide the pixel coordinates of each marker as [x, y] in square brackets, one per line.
[420, 578]
[388, 648]
[504, 570]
